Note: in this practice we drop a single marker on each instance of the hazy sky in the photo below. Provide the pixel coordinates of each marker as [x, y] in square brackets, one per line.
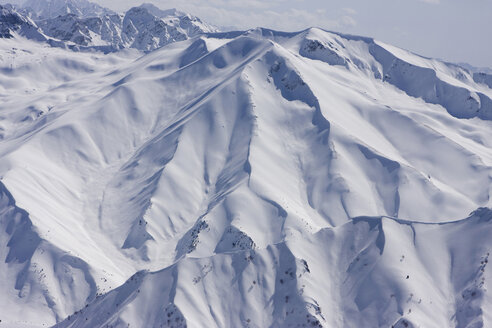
[454, 30]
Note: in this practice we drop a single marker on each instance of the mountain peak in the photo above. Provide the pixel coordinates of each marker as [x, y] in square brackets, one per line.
[160, 12]
[43, 9]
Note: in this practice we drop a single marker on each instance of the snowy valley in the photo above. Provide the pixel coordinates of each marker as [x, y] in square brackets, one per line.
[155, 172]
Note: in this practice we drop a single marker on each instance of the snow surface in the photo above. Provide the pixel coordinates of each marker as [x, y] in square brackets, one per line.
[243, 179]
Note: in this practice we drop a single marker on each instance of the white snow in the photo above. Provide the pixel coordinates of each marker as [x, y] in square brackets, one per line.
[257, 179]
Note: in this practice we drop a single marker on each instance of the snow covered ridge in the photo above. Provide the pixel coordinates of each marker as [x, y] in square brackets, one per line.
[242, 179]
[79, 24]
[371, 272]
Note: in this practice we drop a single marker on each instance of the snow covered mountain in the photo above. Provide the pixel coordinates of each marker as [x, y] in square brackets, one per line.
[188, 24]
[93, 31]
[12, 22]
[44, 9]
[83, 24]
[243, 179]
[145, 31]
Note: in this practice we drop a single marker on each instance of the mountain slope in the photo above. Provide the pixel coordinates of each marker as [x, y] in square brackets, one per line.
[12, 22]
[42, 273]
[253, 178]
[376, 272]
[93, 31]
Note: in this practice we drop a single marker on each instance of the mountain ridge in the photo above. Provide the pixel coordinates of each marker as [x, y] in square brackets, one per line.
[89, 26]
[46, 9]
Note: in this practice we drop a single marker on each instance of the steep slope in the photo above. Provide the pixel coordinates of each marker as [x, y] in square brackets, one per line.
[148, 28]
[247, 176]
[189, 24]
[12, 22]
[483, 78]
[143, 30]
[42, 273]
[371, 272]
[94, 31]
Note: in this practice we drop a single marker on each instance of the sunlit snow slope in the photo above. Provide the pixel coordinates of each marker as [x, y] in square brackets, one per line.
[247, 179]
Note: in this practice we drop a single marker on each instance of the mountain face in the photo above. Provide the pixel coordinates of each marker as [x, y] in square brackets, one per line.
[243, 179]
[188, 24]
[93, 31]
[12, 22]
[483, 78]
[80, 24]
[143, 30]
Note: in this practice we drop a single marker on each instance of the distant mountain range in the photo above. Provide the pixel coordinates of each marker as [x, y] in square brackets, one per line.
[80, 24]
[45, 9]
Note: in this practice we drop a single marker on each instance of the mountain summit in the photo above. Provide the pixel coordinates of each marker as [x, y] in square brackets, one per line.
[44, 9]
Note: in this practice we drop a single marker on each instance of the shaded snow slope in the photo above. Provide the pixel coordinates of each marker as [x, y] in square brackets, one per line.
[42, 273]
[257, 178]
[371, 272]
